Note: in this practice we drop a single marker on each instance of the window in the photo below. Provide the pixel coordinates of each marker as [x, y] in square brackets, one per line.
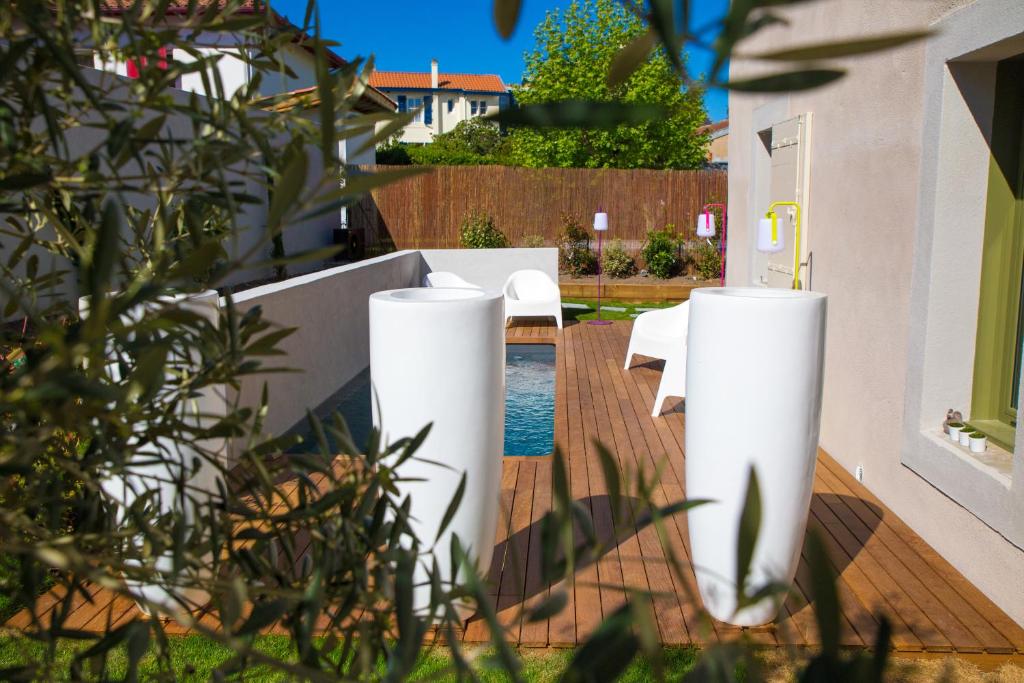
[403, 104]
[472, 107]
[483, 107]
[451, 106]
[416, 103]
[997, 358]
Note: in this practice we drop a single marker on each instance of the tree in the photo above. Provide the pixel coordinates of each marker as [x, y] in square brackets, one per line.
[571, 60]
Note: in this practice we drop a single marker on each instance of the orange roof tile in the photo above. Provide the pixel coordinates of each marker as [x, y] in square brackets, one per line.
[421, 81]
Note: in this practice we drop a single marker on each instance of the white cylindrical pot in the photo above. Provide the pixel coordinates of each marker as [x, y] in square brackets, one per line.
[185, 480]
[437, 356]
[753, 400]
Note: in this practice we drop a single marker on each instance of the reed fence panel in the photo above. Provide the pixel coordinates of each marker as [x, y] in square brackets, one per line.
[426, 211]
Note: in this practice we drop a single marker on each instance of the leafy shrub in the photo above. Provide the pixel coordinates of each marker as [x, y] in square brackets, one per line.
[659, 253]
[617, 262]
[393, 152]
[707, 260]
[478, 232]
[574, 255]
[532, 241]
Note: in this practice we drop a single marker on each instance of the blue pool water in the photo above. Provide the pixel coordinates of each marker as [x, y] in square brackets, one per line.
[529, 399]
[529, 404]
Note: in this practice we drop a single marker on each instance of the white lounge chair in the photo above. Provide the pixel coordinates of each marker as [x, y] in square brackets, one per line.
[532, 293]
[443, 278]
[662, 334]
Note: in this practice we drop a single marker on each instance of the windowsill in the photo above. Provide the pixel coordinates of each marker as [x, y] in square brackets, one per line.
[979, 482]
[999, 432]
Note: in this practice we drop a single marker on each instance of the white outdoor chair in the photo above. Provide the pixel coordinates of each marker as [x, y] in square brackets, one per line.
[662, 334]
[442, 278]
[532, 293]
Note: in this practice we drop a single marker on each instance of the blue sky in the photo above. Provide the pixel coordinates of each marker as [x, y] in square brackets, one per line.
[403, 35]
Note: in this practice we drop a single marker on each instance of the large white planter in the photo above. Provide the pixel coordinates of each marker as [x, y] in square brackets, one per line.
[753, 399]
[179, 463]
[437, 356]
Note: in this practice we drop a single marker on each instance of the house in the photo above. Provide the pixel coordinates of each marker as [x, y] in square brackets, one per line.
[909, 171]
[718, 148]
[234, 73]
[441, 101]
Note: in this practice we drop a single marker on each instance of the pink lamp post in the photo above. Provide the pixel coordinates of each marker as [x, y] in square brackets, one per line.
[706, 228]
[600, 226]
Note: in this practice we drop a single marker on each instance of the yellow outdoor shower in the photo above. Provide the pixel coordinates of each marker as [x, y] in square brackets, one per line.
[770, 240]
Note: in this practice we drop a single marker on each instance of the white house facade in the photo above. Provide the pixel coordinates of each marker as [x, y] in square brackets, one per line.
[441, 101]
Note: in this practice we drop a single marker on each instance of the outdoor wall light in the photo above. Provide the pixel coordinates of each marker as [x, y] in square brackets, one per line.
[600, 227]
[706, 228]
[770, 239]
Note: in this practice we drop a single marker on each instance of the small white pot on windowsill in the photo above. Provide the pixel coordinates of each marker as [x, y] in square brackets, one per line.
[978, 442]
[954, 431]
[963, 438]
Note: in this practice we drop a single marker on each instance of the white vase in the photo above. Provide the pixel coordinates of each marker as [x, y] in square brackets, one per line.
[437, 356]
[954, 433]
[963, 437]
[185, 479]
[753, 400]
[978, 444]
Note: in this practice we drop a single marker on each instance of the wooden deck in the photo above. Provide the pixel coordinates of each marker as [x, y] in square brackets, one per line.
[883, 566]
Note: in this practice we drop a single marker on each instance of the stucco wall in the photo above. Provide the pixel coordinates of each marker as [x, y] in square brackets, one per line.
[330, 346]
[861, 219]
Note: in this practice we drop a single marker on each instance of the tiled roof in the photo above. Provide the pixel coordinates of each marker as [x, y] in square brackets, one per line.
[370, 102]
[712, 128]
[421, 81]
[175, 6]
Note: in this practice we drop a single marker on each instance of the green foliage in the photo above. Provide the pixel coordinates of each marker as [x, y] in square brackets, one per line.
[574, 50]
[532, 241]
[660, 253]
[574, 254]
[617, 263]
[478, 232]
[707, 260]
[473, 142]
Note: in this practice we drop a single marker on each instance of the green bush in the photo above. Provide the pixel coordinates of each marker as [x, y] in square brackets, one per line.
[532, 241]
[574, 255]
[707, 260]
[659, 253]
[617, 262]
[478, 232]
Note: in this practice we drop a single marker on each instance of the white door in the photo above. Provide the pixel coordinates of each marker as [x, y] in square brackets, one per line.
[786, 152]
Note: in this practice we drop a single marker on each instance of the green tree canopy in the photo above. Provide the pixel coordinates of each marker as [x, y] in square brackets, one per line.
[570, 61]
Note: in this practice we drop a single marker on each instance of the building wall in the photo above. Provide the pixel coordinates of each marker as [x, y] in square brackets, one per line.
[443, 120]
[869, 225]
[718, 148]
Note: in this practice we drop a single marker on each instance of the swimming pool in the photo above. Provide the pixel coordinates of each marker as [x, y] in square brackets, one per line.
[529, 404]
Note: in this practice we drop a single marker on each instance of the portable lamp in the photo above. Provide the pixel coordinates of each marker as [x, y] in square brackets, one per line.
[600, 227]
[706, 225]
[770, 239]
[706, 228]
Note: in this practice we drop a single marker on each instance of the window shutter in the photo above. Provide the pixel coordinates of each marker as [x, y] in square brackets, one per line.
[132, 67]
[401, 104]
[428, 109]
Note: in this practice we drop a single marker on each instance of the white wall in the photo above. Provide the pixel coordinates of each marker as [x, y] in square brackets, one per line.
[489, 268]
[868, 239]
[443, 121]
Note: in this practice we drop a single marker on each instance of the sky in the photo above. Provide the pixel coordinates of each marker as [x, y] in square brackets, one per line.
[404, 35]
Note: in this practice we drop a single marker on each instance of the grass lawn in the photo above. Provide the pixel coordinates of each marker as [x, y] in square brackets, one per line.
[590, 314]
[195, 658]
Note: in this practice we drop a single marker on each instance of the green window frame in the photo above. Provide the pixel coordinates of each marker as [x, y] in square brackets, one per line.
[1000, 336]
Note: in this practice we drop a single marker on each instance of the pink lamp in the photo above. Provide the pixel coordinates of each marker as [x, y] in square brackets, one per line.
[706, 228]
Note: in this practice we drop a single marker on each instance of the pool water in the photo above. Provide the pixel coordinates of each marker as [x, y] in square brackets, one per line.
[529, 399]
[529, 404]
